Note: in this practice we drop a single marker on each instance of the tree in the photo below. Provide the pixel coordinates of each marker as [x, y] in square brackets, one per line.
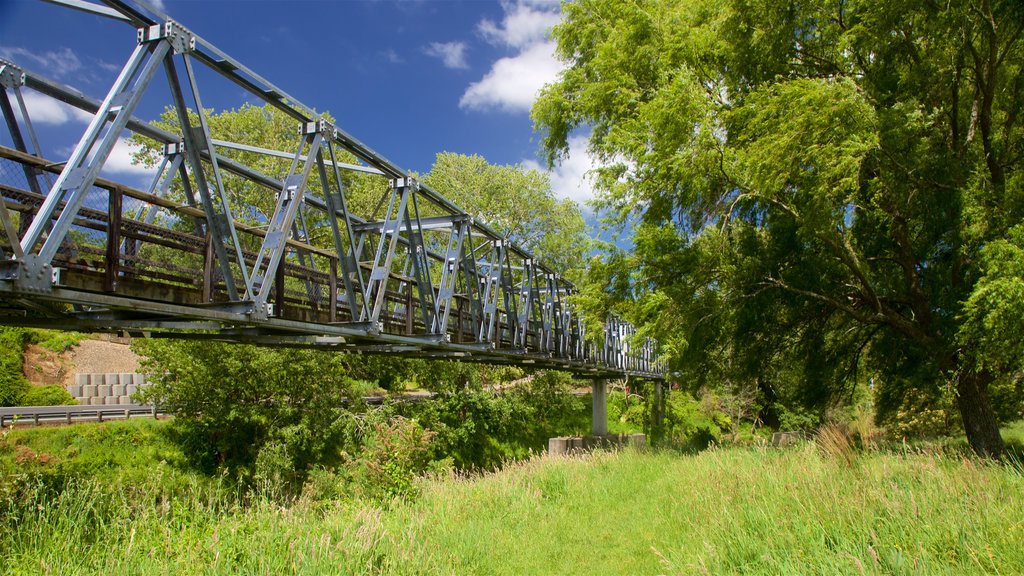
[515, 202]
[233, 401]
[815, 183]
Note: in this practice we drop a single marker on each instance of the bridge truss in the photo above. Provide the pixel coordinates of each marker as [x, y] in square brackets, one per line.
[186, 258]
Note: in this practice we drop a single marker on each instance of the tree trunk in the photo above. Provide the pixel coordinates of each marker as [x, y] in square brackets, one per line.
[979, 420]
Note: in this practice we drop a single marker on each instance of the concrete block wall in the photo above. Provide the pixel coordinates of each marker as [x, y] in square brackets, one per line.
[575, 444]
[106, 389]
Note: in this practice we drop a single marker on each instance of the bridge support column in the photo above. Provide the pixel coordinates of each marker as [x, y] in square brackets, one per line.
[659, 404]
[599, 412]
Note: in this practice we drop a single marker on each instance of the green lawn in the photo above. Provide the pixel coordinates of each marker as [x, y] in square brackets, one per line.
[724, 511]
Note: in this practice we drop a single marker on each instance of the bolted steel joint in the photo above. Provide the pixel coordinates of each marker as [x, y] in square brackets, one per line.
[172, 148]
[11, 76]
[182, 41]
[261, 311]
[31, 274]
[319, 126]
[407, 182]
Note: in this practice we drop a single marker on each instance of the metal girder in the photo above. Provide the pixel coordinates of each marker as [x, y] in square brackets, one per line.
[424, 224]
[68, 192]
[445, 301]
[288, 201]
[336, 203]
[384, 257]
[417, 255]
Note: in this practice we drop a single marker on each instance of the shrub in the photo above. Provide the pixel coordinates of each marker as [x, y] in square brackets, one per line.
[396, 451]
[692, 423]
[13, 385]
[55, 340]
[49, 395]
[232, 401]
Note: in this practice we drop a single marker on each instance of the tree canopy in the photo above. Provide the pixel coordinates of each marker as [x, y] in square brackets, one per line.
[823, 189]
[516, 202]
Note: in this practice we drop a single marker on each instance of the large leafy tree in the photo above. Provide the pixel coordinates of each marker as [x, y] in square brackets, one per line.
[815, 183]
[516, 202]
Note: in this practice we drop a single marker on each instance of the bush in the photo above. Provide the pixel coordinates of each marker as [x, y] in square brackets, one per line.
[691, 423]
[396, 451]
[55, 340]
[49, 395]
[13, 385]
[232, 401]
[480, 429]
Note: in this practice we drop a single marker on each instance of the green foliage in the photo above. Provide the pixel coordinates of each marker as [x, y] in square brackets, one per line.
[48, 395]
[55, 340]
[232, 402]
[517, 203]
[993, 320]
[692, 423]
[394, 454]
[481, 429]
[814, 195]
[13, 385]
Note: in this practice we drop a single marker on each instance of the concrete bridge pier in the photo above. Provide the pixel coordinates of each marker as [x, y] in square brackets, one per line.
[599, 411]
[659, 404]
[599, 437]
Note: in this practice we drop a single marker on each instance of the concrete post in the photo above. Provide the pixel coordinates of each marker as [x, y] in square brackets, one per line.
[599, 412]
[659, 404]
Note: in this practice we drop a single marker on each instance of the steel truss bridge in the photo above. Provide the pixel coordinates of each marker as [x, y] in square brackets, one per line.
[185, 258]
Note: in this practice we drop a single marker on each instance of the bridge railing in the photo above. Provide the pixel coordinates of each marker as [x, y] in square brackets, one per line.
[187, 258]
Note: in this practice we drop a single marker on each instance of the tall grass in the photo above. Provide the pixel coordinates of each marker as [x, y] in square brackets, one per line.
[805, 510]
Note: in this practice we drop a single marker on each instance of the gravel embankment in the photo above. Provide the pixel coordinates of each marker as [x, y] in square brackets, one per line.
[97, 357]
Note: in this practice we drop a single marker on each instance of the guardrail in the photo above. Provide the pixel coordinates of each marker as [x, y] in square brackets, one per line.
[74, 413]
[70, 414]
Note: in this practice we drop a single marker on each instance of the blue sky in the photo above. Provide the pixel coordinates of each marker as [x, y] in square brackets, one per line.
[410, 78]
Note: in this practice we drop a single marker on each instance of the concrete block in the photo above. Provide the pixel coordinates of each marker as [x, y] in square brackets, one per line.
[97, 379]
[558, 446]
[89, 390]
[110, 400]
[131, 389]
[103, 391]
[118, 390]
[81, 379]
[74, 389]
[139, 379]
[125, 378]
[95, 401]
[124, 400]
[780, 439]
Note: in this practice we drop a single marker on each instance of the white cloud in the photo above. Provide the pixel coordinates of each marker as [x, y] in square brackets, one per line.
[159, 5]
[120, 161]
[45, 110]
[512, 83]
[453, 54]
[522, 26]
[56, 63]
[570, 179]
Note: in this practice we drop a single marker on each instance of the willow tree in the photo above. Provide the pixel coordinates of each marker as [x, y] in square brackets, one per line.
[819, 185]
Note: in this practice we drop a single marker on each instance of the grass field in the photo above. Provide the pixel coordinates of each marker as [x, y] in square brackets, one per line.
[723, 511]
